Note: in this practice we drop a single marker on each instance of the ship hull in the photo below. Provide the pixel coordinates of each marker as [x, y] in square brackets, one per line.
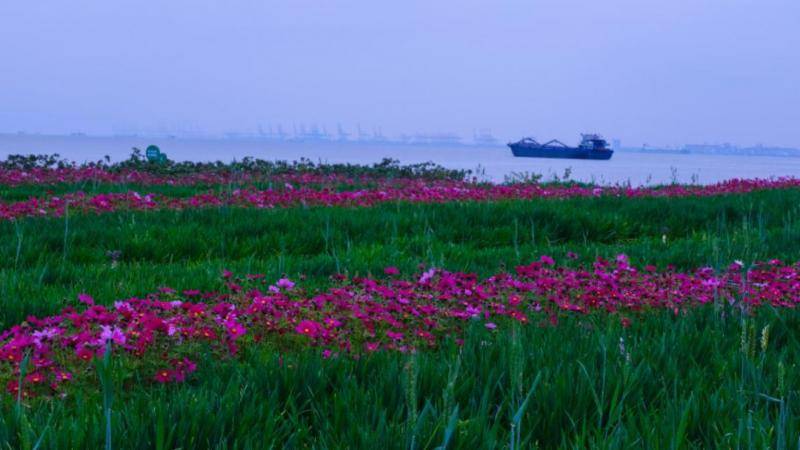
[532, 151]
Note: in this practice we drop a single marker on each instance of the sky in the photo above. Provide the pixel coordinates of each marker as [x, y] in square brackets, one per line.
[644, 71]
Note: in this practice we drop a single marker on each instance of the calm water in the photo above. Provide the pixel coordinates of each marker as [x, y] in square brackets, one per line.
[494, 163]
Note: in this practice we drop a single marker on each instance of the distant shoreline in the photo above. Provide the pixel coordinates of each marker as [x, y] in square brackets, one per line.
[707, 150]
[736, 151]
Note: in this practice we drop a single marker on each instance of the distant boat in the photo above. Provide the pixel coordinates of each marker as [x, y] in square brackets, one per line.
[592, 146]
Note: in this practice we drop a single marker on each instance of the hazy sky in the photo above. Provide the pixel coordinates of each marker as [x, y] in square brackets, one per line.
[659, 72]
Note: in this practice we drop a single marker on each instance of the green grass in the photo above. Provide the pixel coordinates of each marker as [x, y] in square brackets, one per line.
[687, 384]
[45, 263]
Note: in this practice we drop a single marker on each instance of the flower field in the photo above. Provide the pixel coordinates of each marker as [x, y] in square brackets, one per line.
[393, 307]
[286, 190]
[363, 315]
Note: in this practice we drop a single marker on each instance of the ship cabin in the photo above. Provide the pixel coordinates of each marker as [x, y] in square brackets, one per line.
[593, 142]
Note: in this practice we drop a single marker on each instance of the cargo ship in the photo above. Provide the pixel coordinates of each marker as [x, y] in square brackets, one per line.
[592, 146]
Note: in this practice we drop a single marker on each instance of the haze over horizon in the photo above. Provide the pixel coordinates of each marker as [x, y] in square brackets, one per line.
[663, 73]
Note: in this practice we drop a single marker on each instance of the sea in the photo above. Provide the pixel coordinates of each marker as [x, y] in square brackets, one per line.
[487, 163]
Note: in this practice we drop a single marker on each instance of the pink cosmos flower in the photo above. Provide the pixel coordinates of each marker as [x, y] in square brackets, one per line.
[372, 346]
[122, 306]
[394, 335]
[179, 375]
[309, 328]
[188, 365]
[285, 283]
[63, 376]
[427, 276]
[163, 376]
[391, 270]
[46, 334]
[34, 378]
[207, 333]
[473, 311]
[84, 354]
[13, 388]
[490, 325]
[235, 329]
[330, 322]
[86, 299]
[113, 334]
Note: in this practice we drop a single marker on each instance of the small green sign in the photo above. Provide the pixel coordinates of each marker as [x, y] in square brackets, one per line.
[154, 155]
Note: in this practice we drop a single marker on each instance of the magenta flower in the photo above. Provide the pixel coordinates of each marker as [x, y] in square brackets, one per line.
[163, 376]
[235, 329]
[427, 276]
[34, 378]
[330, 322]
[113, 334]
[84, 354]
[60, 375]
[309, 328]
[285, 283]
[394, 335]
[188, 365]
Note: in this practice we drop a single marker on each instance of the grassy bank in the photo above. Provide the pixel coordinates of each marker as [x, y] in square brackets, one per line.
[702, 380]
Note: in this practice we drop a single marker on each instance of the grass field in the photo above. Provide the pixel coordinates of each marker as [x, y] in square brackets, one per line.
[712, 378]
